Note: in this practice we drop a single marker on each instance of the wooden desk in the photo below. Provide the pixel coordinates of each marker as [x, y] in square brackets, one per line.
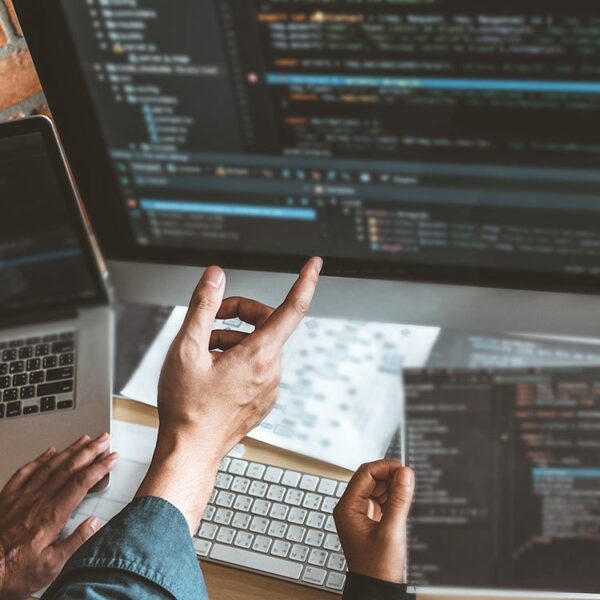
[226, 583]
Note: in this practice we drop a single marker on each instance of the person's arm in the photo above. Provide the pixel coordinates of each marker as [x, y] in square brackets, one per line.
[36, 504]
[208, 400]
[371, 523]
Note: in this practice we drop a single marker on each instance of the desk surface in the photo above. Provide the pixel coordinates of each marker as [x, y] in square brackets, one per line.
[225, 583]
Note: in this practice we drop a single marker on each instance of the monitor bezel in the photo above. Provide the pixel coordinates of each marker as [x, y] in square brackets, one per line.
[53, 51]
[43, 126]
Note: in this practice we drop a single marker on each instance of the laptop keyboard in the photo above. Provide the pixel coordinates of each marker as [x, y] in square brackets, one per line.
[37, 374]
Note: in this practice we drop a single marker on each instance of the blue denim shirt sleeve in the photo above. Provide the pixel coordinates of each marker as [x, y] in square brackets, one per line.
[145, 552]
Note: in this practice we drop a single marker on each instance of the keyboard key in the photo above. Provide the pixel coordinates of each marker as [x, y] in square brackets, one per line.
[58, 387]
[290, 478]
[15, 343]
[243, 540]
[50, 362]
[298, 516]
[279, 511]
[52, 337]
[13, 409]
[314, 575]
[241, 520]
[207, 531]
[332, 542]
[202, 547]
[327, 487]
[36, 376]
[329, 504]
[309, 483]
[26, 352]
[243, 503]
[276, 493]
[341, 489]
[62, 347]
[9, 355]
[258, 488]
[336, 581]
[3, 368]
[281, 548]
[223, 481]
[33, 340]
[225, 499]
[240, 485]
[5, 381]
[255, 471]
[60, 373]
[261, 507]
[64, 404]
[27, 392]
[42, 349]
[18, 366]
[262, 544]
[314, 537]
[48, 403]
[315, 520]
[277, 529]
[223, 516]
[224, 464]
[299, 553]
[238, 467]
[337, 562]
[11, 394]
[330, 524]
[1, 411]
[318, 558]
[273, 475]
[20, 379]
[67, 335]
[33, 364]
[209, 513]
[31, 410]
[66, 359]
[295, 533]
[294, 497]
[259, 525]
[312, 501]
[254, 561]
[226, 535]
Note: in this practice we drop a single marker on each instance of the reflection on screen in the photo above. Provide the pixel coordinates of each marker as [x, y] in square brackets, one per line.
[41, 259]
[508, 478]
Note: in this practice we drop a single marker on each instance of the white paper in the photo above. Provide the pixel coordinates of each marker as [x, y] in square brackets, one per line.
[341, 398]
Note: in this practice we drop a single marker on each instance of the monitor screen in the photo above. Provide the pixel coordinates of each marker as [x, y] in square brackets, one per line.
[452, 133]
[43, 261]
[508, 478]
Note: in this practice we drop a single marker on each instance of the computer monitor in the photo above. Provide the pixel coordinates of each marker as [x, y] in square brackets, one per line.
[442, 150]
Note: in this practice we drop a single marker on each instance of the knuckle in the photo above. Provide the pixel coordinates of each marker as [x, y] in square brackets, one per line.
[206, 302]
[300, 305]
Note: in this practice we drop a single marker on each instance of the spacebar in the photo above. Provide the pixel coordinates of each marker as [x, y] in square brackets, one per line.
[255, 561]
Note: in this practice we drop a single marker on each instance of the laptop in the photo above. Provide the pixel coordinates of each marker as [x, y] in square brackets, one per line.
[55, 317]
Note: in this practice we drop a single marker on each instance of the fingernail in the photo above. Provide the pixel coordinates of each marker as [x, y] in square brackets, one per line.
[405, 477]
[103, 437]
[113, 457]
[213, 276]
[48, 452]
[95, 523]
[319, 265]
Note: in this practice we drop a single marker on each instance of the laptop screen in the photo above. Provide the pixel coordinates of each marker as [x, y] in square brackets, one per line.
[43, 259]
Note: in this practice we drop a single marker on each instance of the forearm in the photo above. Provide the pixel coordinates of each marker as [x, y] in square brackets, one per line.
[361, 587]
[183, 472]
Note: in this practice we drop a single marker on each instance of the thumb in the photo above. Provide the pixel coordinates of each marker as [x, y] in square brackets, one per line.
[67, 547]
[204, 306]
[400, 495]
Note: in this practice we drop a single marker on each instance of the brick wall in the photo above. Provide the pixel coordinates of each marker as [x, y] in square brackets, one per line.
[20, 90]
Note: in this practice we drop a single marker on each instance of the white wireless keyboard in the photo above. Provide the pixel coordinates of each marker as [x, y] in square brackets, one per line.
[275, 522]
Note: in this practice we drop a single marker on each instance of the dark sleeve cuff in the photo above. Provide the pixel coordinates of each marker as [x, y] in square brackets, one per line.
[361, 587]
[150, 539]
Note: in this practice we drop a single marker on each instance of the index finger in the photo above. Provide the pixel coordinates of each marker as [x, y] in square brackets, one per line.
[365, 480]
[285, 319]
